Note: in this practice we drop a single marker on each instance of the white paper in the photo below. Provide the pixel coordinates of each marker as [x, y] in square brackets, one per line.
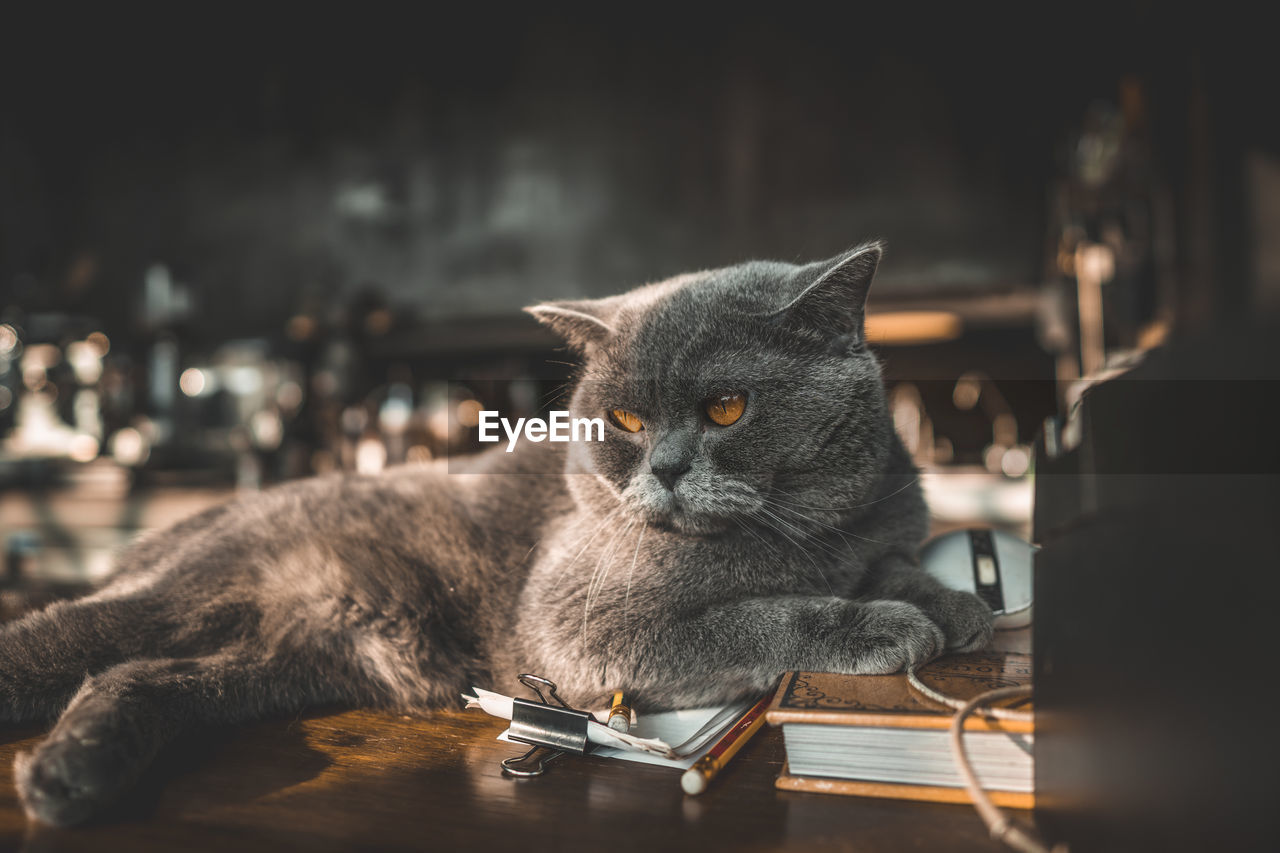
[655, 731]
[674, 727]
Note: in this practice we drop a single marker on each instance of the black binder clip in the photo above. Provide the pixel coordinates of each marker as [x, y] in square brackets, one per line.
[551, 731]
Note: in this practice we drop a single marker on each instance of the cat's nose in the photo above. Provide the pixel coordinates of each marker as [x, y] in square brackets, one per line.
[672, 454]
[669, 472]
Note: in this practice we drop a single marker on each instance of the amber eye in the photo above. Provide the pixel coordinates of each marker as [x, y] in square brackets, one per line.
[725, 409]
[625, 420]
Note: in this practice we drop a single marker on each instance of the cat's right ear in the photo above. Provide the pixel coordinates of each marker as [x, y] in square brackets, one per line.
[833, 298]
[583, 323]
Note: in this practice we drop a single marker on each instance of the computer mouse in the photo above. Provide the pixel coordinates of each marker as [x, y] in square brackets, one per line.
[992, 564]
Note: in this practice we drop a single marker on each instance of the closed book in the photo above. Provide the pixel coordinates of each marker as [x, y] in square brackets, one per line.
[925, 793]
[879, 734]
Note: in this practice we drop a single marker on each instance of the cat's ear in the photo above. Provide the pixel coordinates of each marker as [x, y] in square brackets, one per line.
[583, 323]
[833, 294]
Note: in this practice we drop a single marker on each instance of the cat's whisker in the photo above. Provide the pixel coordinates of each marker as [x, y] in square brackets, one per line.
[573, 562]
[595, 571]
[839, 531]
[608, 568]
[897, 491]
[598, 577]
[746, 527]
[632, 570]
[835, 552]
[799, 546]
[557, 391]
[803, 551]
[799, 530]
[807, 520]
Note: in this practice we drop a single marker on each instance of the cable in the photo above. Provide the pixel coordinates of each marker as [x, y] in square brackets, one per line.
[957, 704]
[1002, 827]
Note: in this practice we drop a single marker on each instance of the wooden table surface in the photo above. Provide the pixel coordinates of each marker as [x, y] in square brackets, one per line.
[363, 780]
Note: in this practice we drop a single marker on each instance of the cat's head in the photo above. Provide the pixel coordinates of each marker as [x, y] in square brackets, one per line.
[733, 396]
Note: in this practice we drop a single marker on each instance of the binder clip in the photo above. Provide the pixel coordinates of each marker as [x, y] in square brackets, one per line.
[551, 731]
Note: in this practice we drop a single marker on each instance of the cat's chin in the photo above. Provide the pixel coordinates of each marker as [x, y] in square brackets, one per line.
[688, 532]
[693, 528]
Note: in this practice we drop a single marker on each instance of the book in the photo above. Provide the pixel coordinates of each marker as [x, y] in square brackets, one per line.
[927, 793]
[875, 735]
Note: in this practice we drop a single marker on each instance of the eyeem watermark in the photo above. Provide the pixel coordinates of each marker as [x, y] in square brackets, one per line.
[559, 428]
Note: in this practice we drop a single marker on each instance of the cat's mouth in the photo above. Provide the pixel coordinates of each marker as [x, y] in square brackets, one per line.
[700, 514]
[676, 517]
[681, 527]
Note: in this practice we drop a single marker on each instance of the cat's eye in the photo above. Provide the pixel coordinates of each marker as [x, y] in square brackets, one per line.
[625, 420]
[725, 409]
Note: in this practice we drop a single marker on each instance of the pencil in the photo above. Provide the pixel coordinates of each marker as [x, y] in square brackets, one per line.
[620, 713]
[696, 779]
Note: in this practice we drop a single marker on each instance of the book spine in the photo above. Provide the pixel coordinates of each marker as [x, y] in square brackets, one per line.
[881, 720]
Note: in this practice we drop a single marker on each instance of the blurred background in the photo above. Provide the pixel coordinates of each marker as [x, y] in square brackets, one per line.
[235, 250]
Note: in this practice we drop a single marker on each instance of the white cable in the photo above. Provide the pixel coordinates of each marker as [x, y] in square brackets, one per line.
[1000, 825]
[957, 704]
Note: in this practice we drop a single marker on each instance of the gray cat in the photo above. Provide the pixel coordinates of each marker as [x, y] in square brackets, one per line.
[750, 510]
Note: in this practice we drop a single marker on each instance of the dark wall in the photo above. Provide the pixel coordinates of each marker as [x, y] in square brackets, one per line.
[465, 165]
[466, 168]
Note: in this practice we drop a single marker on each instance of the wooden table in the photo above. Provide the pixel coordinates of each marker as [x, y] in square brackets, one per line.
[367, 781]
[363, 780]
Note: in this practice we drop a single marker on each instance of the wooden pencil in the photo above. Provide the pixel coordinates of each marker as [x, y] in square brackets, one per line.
[696, 779]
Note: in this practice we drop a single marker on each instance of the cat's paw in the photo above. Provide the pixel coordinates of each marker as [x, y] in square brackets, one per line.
[891, 636]
[965, 620]
[68, 779]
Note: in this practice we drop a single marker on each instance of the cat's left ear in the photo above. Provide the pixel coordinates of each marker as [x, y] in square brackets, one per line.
[583, 323]
[833, 298]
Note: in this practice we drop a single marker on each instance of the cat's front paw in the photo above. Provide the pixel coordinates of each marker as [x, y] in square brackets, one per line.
[965, 620]
[891, 636]
[67, 779]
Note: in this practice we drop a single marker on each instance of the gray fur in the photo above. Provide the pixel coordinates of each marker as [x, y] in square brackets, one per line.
[788, 543]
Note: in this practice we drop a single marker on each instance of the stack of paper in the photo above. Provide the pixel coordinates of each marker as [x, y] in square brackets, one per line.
[670, 739]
